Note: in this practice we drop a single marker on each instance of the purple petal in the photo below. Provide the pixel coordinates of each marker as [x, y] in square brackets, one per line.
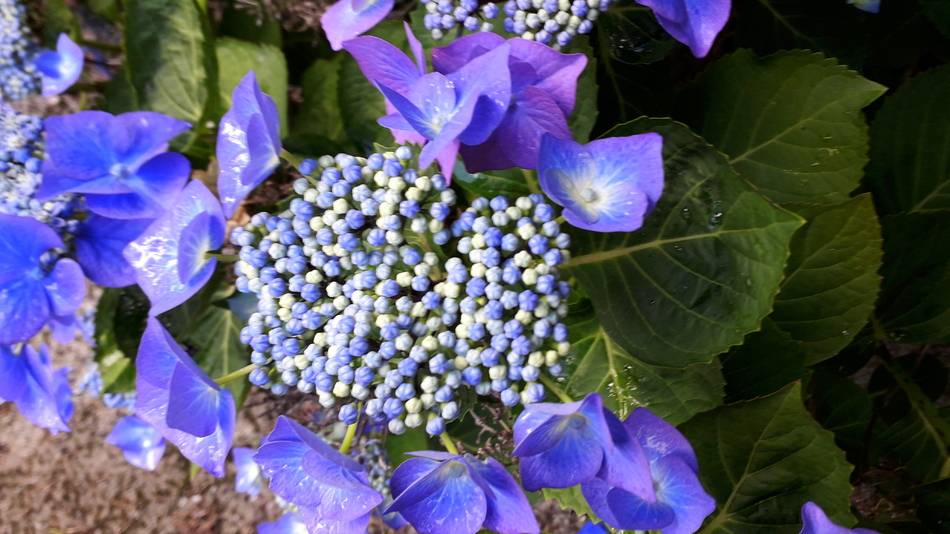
[248, 478]
[509, 511]
[627, 467]
[347, 19]
[192, 403]
[455, 55]
[623, 510]
[154, 254]
[444, 500]
[481, 79]
[659, 438]
[679, 487]
[63, 327]
[12, 375]
[695, 23]
[816, 522]
[289, 523]
[62, 68]
[418, 51]
[556, 73]
[637, 158]
[65, 287]
[99, 244]
[384, 63]
[22, 241]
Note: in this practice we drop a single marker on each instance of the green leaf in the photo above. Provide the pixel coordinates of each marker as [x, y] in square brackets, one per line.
[512, 182]
[762, 460]
[910, 147]
[120, 96]
[933, 505]
[320, 112]
[938, 11]
[413, 439]
[236, 58]
[59, 19]
[217, 335]
[585, 112]
[765, 362]
[914, 306]
[571, 499]
[630, 33]
[171, 57]
[831, 281]
[117, 369]
[597, 363]
[790, 123]
[250, 22]
[842, 407]
[703, 270]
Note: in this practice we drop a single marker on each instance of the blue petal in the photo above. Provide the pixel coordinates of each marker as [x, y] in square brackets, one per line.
[248, 478]
[347, 19]
[508, 511]
[158, 354]
[490, 87]
[323, 525]
[444, 500]
[564, 169]
[209, 452]
[410, 471]
[142, 445]
[79, 148]
[637, 159]
[99, 244]
[144, 135]
[63, 327]
[154, 187]
[282, 462]
[62, 71]
[418, 51]
[455, 55]
[593, 528]
[623, 510]
[45, 402]
[659, 438]
[192, 403]
[420, 121]
[555, 73]
[627, 467]
[65, 287]
[346, 493]
[384, 63]
[154, 254]
[264, 159]
[12, 375]
[147, 458]
[695, 23]
[25, 310]
[679, 487]
[22, 241]
[816, 522]
[289, 523]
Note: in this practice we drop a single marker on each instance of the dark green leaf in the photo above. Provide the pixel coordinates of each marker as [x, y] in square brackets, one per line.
[939, 12]
[251, 23]
[237, 58]
[790, 123]
[765, 362]
[585, 112]
[320, 113]
[59, 19]
[412, 440]
[842, 407]
[910, 147]
[120, 96]
[630, 33]
[117, 369]
[831, 281]
[171, 57]
[914, 306]
[512, 183]
[762, 460]
[217, 336]
[599, 364]
[703, 270]
[933, 505]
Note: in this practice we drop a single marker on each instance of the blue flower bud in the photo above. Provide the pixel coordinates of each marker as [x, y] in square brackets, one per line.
[280, 389]
[290, 378]
[324, 382]
[435, 426]
[472, 376]
[509, 397]
[404, 153]
[392, 167]
[349, 414]
[392, 407]
[375, 161]
[476, 331]
[450, 410]
[407, 367]
[258, 377]
[405, 391]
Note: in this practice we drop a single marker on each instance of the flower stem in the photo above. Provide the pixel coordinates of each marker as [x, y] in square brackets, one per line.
[555, 388]
[236, 374]
[223, 258]
[447, 442]
[348, 438]
[290, 158]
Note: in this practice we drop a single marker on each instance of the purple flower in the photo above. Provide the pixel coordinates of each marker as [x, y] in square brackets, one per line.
[142, 445]
[99, 243]
[816, 522]
[34, 286]
[288, 523]
[331, 491]
[248, 143]
[695, 23]
[181, 402]
[41, 394]
[248, 479]
[119, 162]
[347, 19]
[543, 89]
[607, 185]
[443, 493]
[169, 257]
[681, 504]
[562, 445]
[61, 68]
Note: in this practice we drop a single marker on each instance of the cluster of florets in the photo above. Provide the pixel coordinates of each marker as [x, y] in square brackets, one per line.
[551, 22]
[355, 302]
[21, 158]
[18, 74]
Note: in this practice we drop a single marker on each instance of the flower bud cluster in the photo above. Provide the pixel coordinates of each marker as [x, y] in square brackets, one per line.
[356, 305]
[19, 76]
[550, 22]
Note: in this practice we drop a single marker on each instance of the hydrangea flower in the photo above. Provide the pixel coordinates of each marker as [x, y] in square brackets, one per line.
[142, 445]
[681, 504]
[119, 162]
[61, 68]
[41, 394]
[695, 23]
[331, 491]
[543, 89]
[815, 521]
[444, 493]
[871, 6]
[347, 19]
[562, 445]
[18, 75]
[289, 523]
[607, 185]
[248, 479]
[176, 398]
[248, 143]
[593, 528]
[99, 243]
[169, 258]
[34, 285]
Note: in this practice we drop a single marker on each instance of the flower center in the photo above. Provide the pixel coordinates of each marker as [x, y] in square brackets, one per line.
[588, 194]
[120, 171]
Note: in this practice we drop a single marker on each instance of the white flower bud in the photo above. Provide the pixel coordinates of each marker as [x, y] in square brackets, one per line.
[396, 183]
[429, 384]
[536, 359]
[498, 372]
[341, 302]
[423, 183]
[327, 400]
[478, 270]
[301, 362]
[527, 231]
[523, 259]
[326, 161]
[414, 420]
[436, 226]
[381, 179]
[359, 392]
[404, 279]
[563, 348]
[397, 426]
[414, 405]
[394, 238]
[430, 343]
[428, 400]
[386, 209]
[448, 196]
[478, 241]
[341, 206]
[529, 276]
[310, 195]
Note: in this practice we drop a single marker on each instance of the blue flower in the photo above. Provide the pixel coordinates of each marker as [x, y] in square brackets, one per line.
[562, 445]
[142, 445]
[593, 528]
[248, 479]
[681, 504]
[607, 185]
[61, 68]
[871, 6]
[289, 523]
[41, 394]
[34, 287]
[695, 23]
[181, 402]
[815, 521]
[443, 493]
[99, 243]
[347, 19]
[119, 162]
[248, 143]
[332, 492]
[169, 257]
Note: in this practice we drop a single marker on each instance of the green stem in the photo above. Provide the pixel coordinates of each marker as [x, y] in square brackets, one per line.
[223, 258]
[348, 438]
[236, 374]
[290, 158]
[447, 442]
[555, 388]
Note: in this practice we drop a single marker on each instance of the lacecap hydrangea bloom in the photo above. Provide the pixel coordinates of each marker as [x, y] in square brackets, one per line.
[41, 393]
[19, 77]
